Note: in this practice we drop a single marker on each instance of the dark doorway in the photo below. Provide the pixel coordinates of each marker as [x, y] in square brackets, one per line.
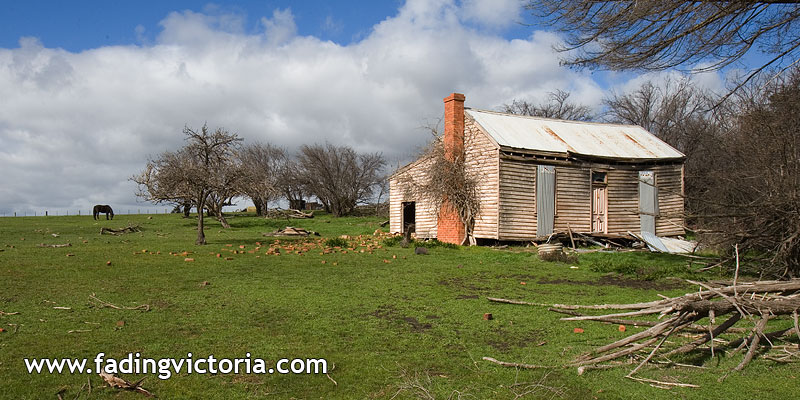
[409, 215]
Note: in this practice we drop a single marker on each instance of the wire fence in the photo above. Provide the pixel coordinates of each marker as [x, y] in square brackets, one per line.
[59, 213]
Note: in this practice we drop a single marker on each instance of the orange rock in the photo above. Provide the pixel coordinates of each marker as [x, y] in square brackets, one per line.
[188, 259]
[108, 262]
[241, 246]
[523, 283]
[622, 328]
[577, 330]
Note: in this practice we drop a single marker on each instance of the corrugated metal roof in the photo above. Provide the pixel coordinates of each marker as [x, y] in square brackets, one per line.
[573, 137]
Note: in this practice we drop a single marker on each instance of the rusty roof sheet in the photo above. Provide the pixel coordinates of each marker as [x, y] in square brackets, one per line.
[573, 137]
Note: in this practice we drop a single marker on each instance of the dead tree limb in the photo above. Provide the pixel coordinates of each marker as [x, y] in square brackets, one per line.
[761, 302]
[93, 300]
[128, 229]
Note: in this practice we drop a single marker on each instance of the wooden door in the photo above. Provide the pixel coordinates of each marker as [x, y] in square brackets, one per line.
[599, 208]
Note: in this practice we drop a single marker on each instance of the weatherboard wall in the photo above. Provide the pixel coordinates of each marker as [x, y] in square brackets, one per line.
[482, 162]
[401, 186]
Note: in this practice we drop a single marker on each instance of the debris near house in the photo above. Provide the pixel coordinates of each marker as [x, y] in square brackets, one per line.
[117, 382]
[693, 315]
[128, 229]
[54, 245]
[292, 231]
[278, 213]
[575, 240]
[551, 252]
[665, 244]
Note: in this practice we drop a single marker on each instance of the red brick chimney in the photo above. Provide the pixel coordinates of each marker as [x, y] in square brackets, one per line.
[449, 228]
[454, 125]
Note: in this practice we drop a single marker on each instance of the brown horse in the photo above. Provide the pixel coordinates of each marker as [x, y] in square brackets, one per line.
[103, 209]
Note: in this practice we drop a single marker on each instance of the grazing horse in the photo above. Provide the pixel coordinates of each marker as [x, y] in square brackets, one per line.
[103, 209]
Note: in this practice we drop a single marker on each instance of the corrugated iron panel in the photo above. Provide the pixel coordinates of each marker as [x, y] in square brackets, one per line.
[583, 138]
[545, 199]
[648, 202]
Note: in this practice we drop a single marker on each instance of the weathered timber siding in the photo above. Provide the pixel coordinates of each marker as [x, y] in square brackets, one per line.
[482, 159]
[517, 200]
[573, 200]
[623, 201]
[400, 191]
[669, 180]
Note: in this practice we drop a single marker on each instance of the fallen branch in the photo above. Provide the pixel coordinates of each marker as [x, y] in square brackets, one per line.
[512, 364]
[128, 229]
[54, 245]
[94, 301]
[116, 382]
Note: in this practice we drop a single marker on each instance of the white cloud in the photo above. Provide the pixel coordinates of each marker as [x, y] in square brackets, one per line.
[281, 27]
[75, 126]
[492, 13]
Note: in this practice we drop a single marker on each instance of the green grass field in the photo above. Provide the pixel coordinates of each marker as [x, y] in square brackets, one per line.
[392, 322]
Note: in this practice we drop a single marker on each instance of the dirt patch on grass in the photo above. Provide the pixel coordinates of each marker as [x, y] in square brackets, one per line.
[616, 280]
[417, 326]
[466, 296]
[504, 340]
[390, 313]
[472, 284]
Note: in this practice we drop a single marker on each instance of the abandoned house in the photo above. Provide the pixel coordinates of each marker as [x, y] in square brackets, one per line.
[538, 176]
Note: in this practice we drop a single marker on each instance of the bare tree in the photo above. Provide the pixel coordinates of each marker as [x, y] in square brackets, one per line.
[675, 110]
[191, 174]
[557, 106]
[262, 168]
[447, 181]
[450, 185]
[659, 35]
[753, 184]
[290, 181]
[338, 176]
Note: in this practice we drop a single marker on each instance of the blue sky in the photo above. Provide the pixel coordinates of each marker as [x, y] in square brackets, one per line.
[86, 24]
[91, 89]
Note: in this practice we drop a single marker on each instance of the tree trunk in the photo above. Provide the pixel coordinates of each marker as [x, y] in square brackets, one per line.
[201, 236]
[222, 220]
[259, 209]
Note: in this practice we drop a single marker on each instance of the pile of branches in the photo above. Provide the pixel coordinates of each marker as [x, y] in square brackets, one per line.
[753, 304]
[286, 214]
